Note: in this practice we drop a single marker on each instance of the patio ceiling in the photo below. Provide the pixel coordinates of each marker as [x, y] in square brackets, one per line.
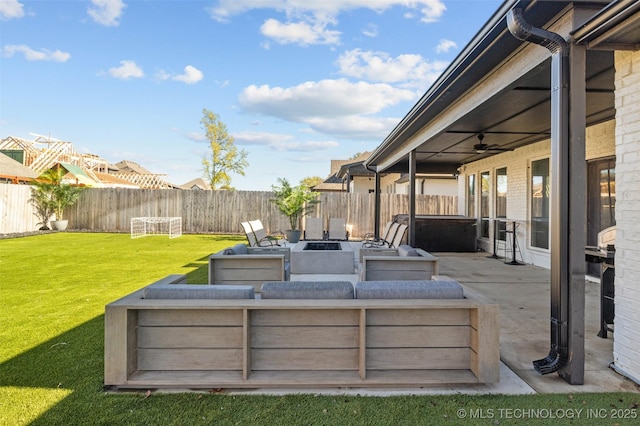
[517, 115]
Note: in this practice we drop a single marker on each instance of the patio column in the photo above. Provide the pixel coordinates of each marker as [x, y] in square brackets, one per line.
[574, 217]
[412, 198]
[376, 203]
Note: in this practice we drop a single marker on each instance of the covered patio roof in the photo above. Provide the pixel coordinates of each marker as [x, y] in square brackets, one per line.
[516, 112]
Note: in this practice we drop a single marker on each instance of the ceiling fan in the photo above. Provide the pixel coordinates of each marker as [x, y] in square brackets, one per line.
[481, 147]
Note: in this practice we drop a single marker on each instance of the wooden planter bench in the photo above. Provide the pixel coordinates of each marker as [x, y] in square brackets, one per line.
[256, 343]
[250, 266]
[395, 264]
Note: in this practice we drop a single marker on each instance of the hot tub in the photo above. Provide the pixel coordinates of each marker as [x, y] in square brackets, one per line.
[444, 233]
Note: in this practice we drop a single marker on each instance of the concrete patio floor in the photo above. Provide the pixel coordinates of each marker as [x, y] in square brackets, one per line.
[523, 292]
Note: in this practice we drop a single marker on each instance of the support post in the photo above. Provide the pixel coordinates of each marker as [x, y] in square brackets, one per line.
[412, 199]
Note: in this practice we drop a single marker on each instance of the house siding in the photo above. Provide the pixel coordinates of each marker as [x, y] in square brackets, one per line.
[626, 344]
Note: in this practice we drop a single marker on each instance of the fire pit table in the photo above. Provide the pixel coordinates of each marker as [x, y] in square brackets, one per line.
[322, 257]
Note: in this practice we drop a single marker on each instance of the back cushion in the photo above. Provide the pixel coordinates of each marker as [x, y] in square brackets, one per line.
[198, 291]
[406, 250]
[409, 290]
[307, 290]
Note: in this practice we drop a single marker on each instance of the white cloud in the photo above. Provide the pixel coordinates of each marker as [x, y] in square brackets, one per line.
[303, 33]
[191, 75]
[34, 55]
[106, 12]
[412, 70]
[446, 45]
[281, 142]
[162, 75]
[197, 136]
[431, 9]
[126, 70]
[11, 9]
[371, 30]
[307, 21]
[325, 98]
[334, 107]
[355, 127]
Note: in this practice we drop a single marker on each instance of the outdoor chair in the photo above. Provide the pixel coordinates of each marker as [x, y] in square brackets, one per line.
[337, 229]
[260, 235]
[313, 229]
[251, 237]
[386, 238]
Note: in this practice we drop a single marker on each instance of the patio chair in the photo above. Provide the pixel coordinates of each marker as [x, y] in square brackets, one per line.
[313, 229]
[386, 238]
[251, 237]
[262, 239]
[397, 240]
[337, 229]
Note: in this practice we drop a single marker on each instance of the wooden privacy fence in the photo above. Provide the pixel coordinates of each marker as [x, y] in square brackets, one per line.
[111, 209]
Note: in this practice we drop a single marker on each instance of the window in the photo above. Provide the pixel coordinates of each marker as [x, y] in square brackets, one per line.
[501, 202]
[485, 185]
[471, 196]
[540, 203]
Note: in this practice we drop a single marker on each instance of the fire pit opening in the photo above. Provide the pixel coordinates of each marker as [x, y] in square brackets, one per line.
[322, 246]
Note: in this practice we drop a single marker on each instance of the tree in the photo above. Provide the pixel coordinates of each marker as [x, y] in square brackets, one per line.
[225, 158]
[311, 181]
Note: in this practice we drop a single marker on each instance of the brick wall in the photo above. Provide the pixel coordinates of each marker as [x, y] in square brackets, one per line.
[600, 142]
[626, 343]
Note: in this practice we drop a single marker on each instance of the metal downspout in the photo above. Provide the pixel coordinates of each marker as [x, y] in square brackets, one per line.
[559, 218]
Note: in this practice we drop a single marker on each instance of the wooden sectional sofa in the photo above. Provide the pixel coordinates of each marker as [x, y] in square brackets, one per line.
[337, 335]
[402, 263]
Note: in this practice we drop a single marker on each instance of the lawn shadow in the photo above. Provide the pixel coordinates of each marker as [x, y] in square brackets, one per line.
[71, 360]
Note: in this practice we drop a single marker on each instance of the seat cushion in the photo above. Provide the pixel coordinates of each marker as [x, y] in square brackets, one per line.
[406, 250]
[198, 291]
[307, 290]
[409, 290]
[240, 249]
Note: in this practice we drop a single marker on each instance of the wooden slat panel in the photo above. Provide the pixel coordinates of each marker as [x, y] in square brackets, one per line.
[417, 337]
[486, 364]
[117, 351]
[304, 359]
[175, 317]
[264, 317]
[190, 337]
[304, 337]
[418, 358]
[249, 273]
[418, 317]
[190, 359]
[252, 261]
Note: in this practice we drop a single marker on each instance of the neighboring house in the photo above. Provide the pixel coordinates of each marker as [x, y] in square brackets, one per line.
[347, 176]
[488, 118]
[11, 171]
[198, 184]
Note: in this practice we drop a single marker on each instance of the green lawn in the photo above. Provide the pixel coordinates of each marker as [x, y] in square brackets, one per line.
[53, 289]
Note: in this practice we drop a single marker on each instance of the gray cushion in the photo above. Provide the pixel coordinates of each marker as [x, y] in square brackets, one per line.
[240, 249]
[198, 291]
[406, 250]
[409, 290]
[307, 290]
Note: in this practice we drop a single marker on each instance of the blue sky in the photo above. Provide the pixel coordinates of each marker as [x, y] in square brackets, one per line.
[297, 82]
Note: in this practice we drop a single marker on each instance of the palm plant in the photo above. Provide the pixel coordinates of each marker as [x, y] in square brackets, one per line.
[294, 201]
[50, 195]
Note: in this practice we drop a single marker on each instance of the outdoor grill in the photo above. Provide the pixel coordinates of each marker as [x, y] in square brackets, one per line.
[604, 254]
